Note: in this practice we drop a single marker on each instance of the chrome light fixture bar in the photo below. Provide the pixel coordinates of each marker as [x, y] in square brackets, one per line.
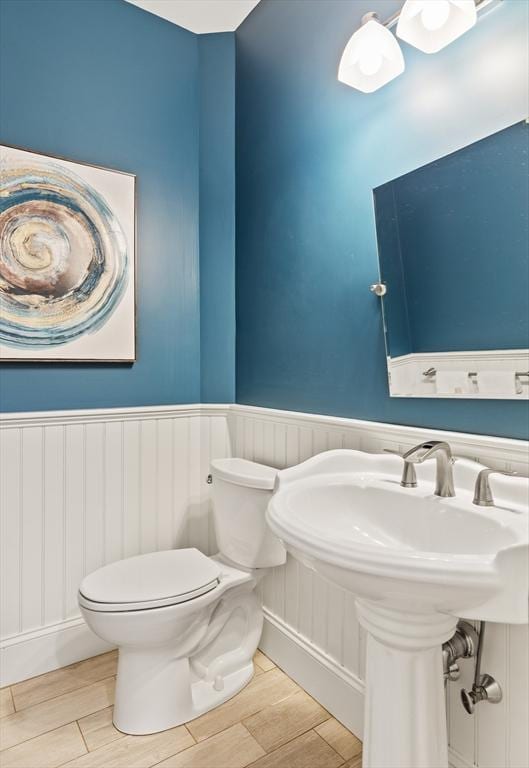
[373, 57]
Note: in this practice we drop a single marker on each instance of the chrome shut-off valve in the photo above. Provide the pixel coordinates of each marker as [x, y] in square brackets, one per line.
[484, 687]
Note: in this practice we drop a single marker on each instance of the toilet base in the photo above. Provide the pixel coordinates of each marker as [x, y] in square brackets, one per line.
[205, 697]
[177, 662]
[162, 686]
[153, 691]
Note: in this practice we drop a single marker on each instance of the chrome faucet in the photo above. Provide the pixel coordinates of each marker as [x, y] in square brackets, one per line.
[444, 481]
[482, 492]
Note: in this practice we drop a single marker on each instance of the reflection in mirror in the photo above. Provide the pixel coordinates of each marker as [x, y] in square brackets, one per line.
[453, 245]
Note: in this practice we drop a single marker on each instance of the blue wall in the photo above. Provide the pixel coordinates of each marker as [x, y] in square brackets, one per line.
[107, 83]
[217, 217]
[460, 231]
[310, 150]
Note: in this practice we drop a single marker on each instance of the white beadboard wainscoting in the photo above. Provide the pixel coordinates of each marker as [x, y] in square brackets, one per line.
[311, 628]
[83, 488]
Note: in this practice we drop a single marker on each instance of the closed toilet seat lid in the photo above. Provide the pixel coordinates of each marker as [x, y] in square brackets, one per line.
[149, 581]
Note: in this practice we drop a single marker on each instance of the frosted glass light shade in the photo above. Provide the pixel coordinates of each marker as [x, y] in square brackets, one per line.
[430, 25]
[371, 58]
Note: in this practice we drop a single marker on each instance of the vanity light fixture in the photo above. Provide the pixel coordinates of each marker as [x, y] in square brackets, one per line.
[371, 58]
[430, 25]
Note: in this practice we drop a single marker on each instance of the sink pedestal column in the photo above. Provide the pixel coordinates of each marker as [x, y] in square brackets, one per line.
[405, 717]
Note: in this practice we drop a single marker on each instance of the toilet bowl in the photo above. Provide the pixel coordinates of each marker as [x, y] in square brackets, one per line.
[187, 625]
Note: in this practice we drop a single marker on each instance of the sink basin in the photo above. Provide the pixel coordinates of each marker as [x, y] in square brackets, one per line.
[345, 514]
[415, 562]
[367, 512]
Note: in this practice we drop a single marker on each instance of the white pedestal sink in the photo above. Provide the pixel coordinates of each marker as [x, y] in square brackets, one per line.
[416, 562]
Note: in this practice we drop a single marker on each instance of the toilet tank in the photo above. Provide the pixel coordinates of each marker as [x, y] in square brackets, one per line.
[241, 491]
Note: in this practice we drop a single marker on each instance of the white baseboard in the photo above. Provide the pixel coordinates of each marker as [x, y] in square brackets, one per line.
[47, 648]
[336, 689]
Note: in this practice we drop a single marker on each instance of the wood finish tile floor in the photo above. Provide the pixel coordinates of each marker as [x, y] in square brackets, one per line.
[64, 718]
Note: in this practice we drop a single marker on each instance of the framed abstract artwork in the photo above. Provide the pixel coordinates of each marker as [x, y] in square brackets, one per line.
[67, 260]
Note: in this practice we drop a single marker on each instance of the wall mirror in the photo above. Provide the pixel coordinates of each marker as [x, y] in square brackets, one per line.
[453, 248]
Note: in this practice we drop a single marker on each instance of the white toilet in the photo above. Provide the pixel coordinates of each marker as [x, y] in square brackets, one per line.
[187, 625]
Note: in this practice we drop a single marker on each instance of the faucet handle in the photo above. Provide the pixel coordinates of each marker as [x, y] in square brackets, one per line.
[409, 476]
[482, 491]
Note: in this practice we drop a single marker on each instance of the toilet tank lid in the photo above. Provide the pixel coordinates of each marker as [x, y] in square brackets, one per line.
[244, 472]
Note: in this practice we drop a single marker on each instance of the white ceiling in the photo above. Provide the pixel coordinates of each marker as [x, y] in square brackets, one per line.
[200, 16]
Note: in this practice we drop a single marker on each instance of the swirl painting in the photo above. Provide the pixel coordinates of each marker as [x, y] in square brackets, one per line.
[67, 279]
